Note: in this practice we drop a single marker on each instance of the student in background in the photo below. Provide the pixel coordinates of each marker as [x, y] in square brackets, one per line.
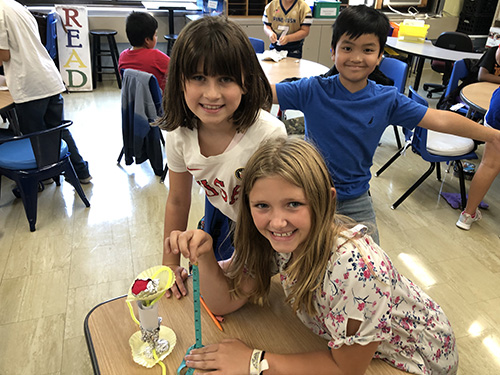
[340, 284]
[488, 169]
[287, 24]
[33, 79]
[217, 95]
[141, 28]
[489, 66]
[346, 115]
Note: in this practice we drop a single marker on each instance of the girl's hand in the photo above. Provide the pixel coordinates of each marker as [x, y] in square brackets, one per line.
[230, 357]
[192, 244]
[273, 38]
[178, 289]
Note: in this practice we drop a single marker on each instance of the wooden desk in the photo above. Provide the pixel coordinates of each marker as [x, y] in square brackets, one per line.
[427, 50]
[7, 107]
[109, 326]
[290, 67]
[478, 95]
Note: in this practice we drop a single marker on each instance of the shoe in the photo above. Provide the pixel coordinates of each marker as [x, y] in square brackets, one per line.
[86, 180]
[465, 220]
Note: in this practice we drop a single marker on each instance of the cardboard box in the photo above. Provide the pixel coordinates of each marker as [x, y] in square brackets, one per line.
[326, 9]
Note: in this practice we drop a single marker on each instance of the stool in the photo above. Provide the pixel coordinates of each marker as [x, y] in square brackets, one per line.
[170, 38]
[97, 52]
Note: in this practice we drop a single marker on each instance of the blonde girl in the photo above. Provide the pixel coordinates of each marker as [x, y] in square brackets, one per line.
[215, 104]
[336, 279]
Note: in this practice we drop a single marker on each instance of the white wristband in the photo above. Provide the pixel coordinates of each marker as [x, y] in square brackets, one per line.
[255, 362]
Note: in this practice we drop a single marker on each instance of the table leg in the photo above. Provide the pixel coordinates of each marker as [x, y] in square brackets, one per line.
[420, 68]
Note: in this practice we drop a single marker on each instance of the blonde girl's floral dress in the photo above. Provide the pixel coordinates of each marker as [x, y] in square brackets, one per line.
[362, 284]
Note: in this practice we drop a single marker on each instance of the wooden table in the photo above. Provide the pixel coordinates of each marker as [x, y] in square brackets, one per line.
[7, 107]
[274, 328]
[427, 50]
[290, 67]
[477, 96]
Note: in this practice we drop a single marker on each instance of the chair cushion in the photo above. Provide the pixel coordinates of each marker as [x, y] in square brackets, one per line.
[18, 155]
[447, 144]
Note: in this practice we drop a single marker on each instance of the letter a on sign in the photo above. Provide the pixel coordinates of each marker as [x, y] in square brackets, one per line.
[73, 46]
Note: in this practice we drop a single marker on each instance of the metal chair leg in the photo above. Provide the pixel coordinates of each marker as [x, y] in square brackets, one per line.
[414, 186]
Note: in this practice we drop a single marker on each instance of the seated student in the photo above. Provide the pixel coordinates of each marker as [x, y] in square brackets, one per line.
[346, 115]
[287, 24]
[341, 285]
[33, 79]
[141, 33]
[488, 170]
[489, 66]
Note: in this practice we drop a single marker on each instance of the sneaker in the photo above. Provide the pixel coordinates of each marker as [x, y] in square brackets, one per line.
[465, 220]
[86, 180]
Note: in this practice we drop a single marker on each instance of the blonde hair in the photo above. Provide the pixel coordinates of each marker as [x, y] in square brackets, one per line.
[222, 48]
[299, 163]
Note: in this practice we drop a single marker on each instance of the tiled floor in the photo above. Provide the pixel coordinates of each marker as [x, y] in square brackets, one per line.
[79, 257]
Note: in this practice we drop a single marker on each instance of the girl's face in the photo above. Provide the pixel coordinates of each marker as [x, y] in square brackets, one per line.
[213, 99]
[280, 212]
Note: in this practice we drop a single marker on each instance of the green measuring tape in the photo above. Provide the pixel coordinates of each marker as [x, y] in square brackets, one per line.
[197, 319]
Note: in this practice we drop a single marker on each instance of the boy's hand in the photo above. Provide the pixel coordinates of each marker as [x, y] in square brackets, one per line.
[230, 357]
[283, 40]
[192, 244]
[178, 289]
[273, 38]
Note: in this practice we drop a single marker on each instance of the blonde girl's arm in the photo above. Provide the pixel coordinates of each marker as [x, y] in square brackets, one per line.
[197, 246]
[275, 95]
[176, 218]
[232, 357]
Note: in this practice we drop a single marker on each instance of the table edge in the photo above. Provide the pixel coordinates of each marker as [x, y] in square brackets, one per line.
[88, 336]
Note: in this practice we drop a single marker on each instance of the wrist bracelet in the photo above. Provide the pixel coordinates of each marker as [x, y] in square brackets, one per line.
[257, 362]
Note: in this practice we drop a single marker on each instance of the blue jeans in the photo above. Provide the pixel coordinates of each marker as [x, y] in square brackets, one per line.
[361, 210]
[47, 113]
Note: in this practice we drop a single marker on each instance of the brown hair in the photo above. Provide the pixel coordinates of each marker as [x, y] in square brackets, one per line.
[222, 48]
[299, 163]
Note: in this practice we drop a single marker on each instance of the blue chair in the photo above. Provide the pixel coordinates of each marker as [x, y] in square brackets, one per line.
[397, 70]
[140, 140]
[258, 45]
[458, 74]
[436, 147]
[31, 158]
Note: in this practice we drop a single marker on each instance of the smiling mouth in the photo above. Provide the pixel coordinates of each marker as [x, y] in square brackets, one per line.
[286, 234]
[211, 107]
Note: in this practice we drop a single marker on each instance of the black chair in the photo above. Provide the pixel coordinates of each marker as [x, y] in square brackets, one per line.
[32, 158]
[98, 69]
[449, 40]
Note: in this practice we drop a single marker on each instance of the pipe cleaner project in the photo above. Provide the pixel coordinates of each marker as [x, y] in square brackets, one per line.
[153, 342]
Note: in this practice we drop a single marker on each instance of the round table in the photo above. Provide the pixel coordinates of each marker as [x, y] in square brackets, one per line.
[478, 95]
[290, 67]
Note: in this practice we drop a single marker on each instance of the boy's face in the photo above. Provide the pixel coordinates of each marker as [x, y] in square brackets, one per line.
[497, 56]
[356, 59]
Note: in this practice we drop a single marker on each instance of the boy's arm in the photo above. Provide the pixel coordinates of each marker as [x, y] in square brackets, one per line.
[4, 55]
[485, 76]
[452, 123]
[176, 218]
[296, 36]
[275, 94]
[270, 33]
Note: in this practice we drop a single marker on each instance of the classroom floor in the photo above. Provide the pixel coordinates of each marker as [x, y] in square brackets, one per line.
[79, 257]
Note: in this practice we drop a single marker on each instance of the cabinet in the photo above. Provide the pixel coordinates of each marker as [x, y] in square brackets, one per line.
[246, 8]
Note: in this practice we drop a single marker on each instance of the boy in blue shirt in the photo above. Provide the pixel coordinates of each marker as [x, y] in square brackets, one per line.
[346, 114]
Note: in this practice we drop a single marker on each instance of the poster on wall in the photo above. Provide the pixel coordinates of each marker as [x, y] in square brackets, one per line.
[74, 47]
